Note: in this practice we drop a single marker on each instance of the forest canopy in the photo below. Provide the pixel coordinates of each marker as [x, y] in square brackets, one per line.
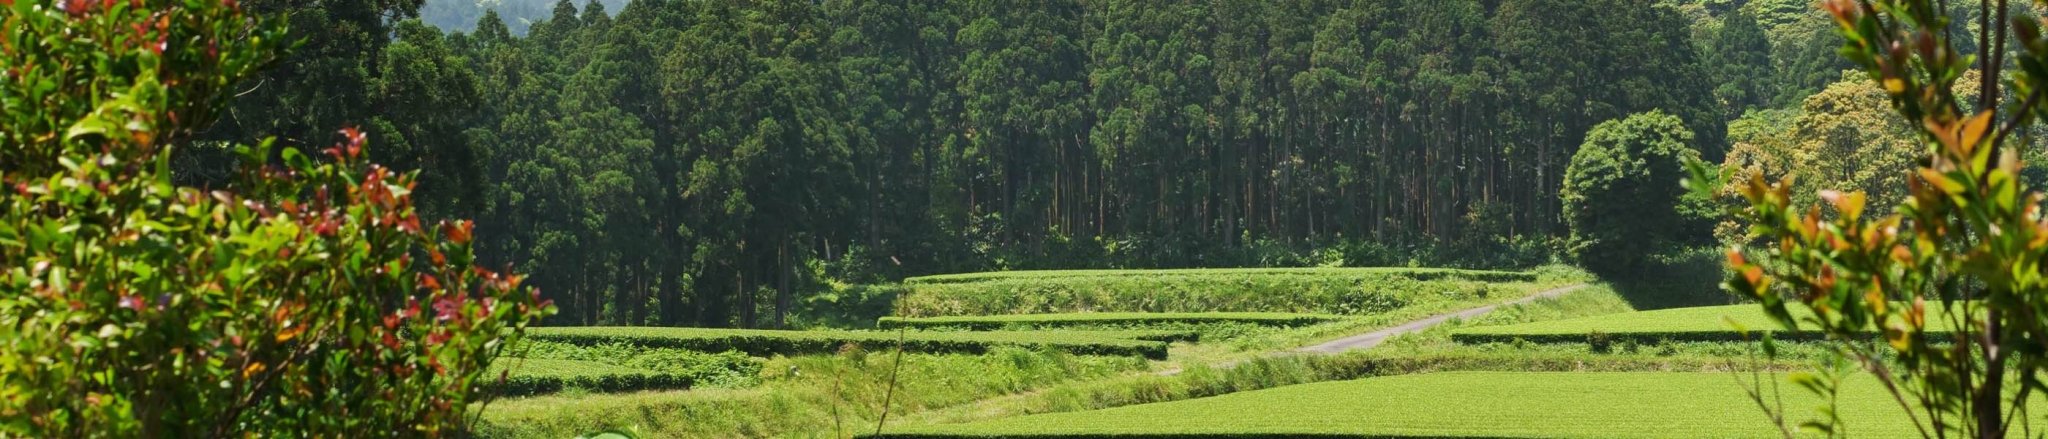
[729, 163]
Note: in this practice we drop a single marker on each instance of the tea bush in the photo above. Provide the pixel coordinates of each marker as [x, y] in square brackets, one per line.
[773, 342]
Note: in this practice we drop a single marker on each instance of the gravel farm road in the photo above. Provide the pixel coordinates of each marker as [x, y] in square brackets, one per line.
[1371, 339]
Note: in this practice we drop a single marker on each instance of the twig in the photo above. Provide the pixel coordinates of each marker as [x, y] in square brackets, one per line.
[890, 394]
[259, 85]
[2024, 113]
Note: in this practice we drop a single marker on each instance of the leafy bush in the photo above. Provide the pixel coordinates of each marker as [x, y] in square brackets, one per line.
[772, 342]
[1034, 321]
[304, 300]
[1599, 342]
[838, 305]
[1622, 194]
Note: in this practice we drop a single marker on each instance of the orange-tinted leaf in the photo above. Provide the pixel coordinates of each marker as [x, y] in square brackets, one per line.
[1974, 130]
[1940, 181]
[253, 369]
[290, 332]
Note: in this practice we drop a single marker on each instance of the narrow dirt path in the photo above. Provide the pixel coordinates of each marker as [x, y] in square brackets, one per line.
[1375, 338]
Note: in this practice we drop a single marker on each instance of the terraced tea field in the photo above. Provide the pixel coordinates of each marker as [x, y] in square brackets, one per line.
[1699, 324]
[1340, 291]
[771, 342]
[1179, 353]
[1414, 273]
[1454, 404]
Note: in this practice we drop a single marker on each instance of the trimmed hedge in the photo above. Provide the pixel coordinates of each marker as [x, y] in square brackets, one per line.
[1412, 273]
[1697, 324]
[773, 342]
[1340, 291]
[1160, 335]
[1025, 321]
[1638, 337]
[540, 376]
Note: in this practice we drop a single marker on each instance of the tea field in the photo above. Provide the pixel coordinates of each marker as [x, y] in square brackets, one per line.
[1697, 324]
[1454, 404]
[1177, 353]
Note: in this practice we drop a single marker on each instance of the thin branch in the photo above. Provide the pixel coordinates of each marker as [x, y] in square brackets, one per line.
[2019, 404]
[2019, 117]
[888, 395]
[259, 85]
[1986, 90]
[1884, 376]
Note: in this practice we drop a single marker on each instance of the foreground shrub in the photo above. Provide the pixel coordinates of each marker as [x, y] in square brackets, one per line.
[307, 299]
[1954, 278]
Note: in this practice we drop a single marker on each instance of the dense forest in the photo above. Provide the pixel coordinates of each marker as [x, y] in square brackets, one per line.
[735, 163]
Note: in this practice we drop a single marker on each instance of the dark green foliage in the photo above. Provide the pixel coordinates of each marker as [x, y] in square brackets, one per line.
[716, 163]
[1160, 335]
[771, 342]
[1599, 342]
[1741, 60]
[517, 15]
[1622, 193]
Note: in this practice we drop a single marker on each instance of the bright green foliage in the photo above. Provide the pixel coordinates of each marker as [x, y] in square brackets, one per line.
[985, 323]
[1622, 194]
[1954, 278]
[527, 376]
[303, 299]
[1706, 323]
[773, 342]
[728, 369]
[1844, 138]
[1450, 404]
[1323, 291]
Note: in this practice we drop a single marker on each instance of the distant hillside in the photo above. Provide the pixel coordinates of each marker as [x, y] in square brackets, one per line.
[461, 15]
